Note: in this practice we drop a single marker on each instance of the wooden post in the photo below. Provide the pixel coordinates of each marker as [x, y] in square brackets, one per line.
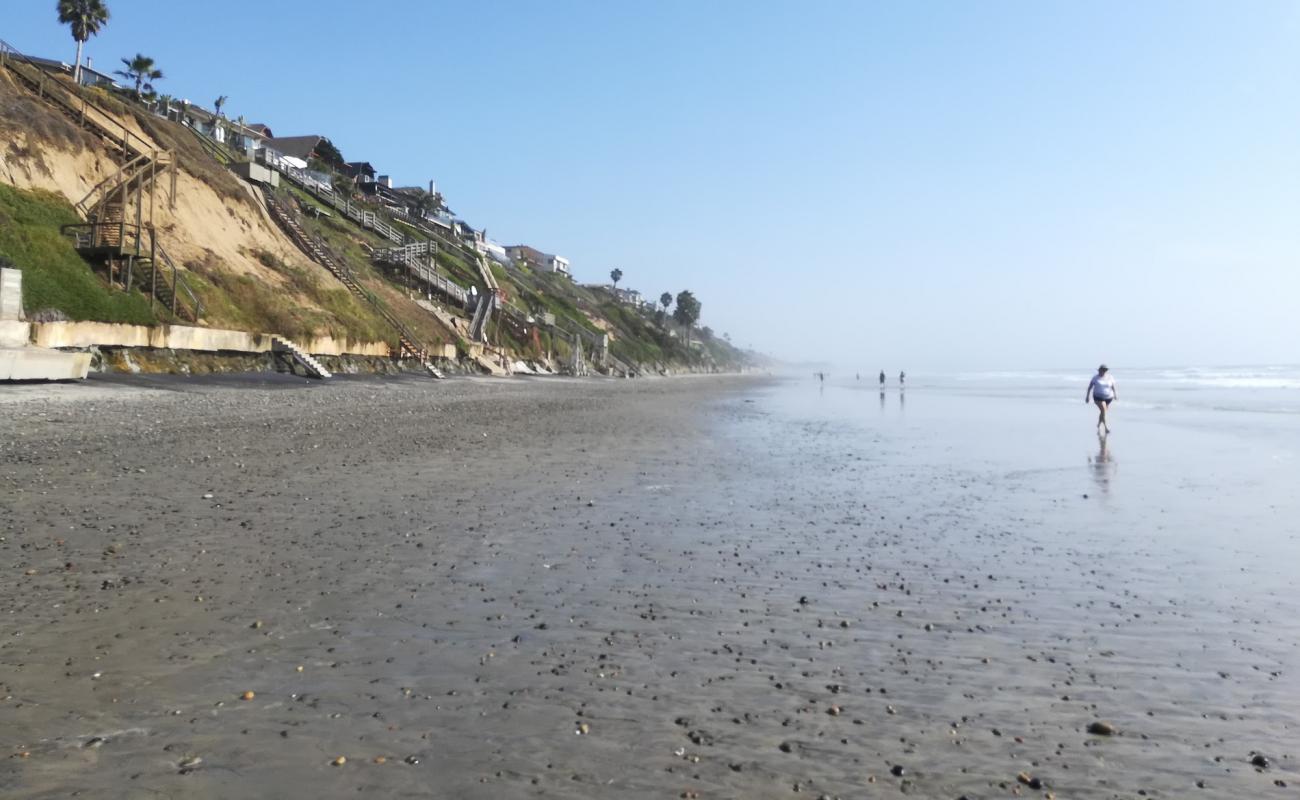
[172, 198]
[153, 187]
[139, 212]
[153, 269]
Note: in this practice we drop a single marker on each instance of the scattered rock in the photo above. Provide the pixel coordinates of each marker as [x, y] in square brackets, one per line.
[1100, 728]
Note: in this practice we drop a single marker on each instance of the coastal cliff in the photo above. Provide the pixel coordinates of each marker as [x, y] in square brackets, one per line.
[223, 241]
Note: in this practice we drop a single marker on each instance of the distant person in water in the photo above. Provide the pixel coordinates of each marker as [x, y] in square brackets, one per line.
[1102, 391]
[882, 379]
[902, 376]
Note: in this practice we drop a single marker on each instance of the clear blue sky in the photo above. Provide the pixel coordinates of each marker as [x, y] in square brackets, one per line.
[955, 184]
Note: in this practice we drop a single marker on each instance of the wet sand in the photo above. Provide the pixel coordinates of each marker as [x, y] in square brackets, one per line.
[712, 587]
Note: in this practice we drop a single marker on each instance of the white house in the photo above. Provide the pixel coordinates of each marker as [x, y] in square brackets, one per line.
[536, 259]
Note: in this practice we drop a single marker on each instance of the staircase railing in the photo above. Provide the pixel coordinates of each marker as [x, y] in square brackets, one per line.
[139, 243]
[99, 191]
[482, 316]
[318, 251]
[218, 151]
[369, 219]
[411, 258]
[73, 100]
[179, 284]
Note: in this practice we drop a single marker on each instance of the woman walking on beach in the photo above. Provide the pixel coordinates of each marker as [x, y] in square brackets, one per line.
[1102, 391]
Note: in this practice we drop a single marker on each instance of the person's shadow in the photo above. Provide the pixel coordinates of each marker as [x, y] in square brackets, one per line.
[1103, 464]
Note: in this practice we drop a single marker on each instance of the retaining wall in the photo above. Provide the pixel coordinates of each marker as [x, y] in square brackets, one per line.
[183, 337]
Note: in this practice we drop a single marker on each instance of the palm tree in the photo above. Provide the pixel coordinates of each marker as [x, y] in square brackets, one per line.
[142, 72]
[425, 204]
[219, 102]
[85, 18]
[687, 312]
[666, 299]
[616, 275]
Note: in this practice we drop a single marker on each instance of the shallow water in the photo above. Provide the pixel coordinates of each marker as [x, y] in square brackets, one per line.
[643, 590]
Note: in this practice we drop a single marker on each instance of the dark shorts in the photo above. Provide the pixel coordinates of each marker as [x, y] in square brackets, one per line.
[1106, 400]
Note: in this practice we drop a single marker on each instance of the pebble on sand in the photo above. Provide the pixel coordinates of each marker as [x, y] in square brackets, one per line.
[249, 695]
[1100, 728]
[339, 761]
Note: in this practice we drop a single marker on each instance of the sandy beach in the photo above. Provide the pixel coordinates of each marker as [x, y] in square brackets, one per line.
[701, 587]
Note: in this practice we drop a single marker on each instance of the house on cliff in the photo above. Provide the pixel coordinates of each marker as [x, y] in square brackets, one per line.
[305, 148]
[536, 259]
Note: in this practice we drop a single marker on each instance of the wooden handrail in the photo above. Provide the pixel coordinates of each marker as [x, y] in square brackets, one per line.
[74, 100]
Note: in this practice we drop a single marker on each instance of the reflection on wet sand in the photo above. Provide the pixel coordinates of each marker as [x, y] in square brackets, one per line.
[1103, 463]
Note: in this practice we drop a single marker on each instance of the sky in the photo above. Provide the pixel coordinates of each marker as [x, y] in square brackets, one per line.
[920, 185]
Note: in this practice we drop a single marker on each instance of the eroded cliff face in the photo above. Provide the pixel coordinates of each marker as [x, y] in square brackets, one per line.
[219, 235]
[250, 276]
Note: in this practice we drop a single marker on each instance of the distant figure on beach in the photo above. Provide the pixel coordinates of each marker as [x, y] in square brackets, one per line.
[902, 376]
[882, 379]
[1101, 390]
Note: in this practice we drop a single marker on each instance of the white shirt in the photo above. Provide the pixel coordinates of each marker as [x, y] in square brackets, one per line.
[1102, 387]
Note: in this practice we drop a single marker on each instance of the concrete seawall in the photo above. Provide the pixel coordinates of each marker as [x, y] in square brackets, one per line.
[182, 337]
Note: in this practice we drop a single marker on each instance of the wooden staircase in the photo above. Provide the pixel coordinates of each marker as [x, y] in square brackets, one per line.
[482, 315]
[112, 216]
[118, 211]
[408, 344]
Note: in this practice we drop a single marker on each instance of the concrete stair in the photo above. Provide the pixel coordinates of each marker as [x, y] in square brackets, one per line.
[292, 351]
[482, 315]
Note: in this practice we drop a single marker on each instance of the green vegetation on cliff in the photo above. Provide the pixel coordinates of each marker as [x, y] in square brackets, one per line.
[57, 283]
